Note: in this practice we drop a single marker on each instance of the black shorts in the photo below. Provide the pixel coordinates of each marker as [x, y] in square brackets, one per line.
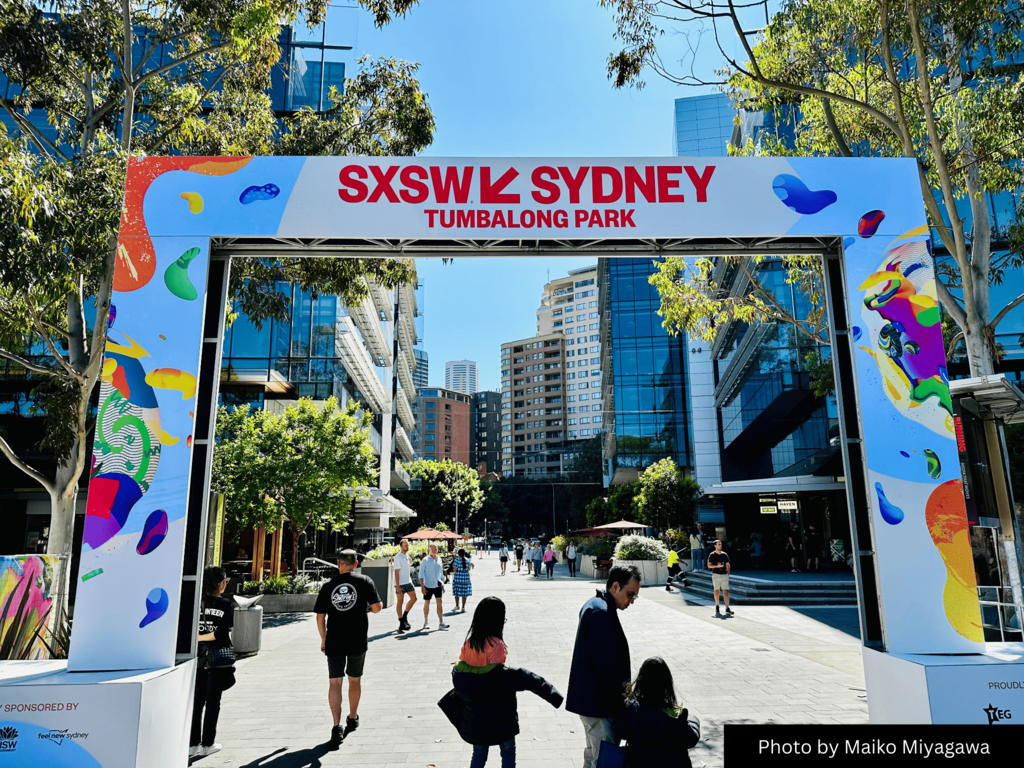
[405, 588]
[433, 592]
[504, 559]
[337, 666]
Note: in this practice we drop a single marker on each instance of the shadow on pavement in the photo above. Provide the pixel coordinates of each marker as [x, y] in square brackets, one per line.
[282, 619]
[304, 758]
[844, 619]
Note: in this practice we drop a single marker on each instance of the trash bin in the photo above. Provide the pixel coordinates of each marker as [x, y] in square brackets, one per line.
[247, 633]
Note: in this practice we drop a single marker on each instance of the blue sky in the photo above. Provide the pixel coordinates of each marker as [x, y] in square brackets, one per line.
[520, 79]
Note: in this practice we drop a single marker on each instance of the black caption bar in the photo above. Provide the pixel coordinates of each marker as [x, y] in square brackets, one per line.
[877, 746]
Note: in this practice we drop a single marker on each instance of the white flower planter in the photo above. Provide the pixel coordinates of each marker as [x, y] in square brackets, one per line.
[652, 572]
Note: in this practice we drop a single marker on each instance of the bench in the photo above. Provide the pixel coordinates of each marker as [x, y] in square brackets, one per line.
[601, 567]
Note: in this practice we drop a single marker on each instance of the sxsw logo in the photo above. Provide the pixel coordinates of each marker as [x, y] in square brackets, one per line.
[995, 714]
[8, 739]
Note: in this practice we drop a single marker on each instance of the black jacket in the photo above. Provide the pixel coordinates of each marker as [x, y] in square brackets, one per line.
[655, 738]
[600, 661]
[489, 714]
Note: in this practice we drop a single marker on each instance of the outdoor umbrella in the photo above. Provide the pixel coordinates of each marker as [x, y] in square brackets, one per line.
[621, 525]
[426, 533]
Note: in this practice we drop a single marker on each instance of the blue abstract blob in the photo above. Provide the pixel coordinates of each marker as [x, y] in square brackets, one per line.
[795, 194]
[153, 532]
[111, 316]
[869, 223]
[904, 454]
[857, 331]
[848, 242]
[156, 606]
[892, 514]
[252, 194]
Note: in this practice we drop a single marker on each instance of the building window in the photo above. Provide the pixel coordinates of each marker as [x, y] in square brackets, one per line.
[584, 432]
[597, 419]
[584, 396]
[430, 406]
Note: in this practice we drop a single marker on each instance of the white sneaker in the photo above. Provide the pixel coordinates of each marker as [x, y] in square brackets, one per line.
[426, 625]
[193, 751]
[442, 625]
[207, 751]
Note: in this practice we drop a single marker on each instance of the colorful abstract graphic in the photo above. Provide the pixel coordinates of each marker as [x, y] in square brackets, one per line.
[869, 223]
[153, 532]
[176, 276]
[25, 602]
[252, 194]
[795, 194]
[195, 201]
[947, 525]
[892, 514]
[156, 606]
[934, 465]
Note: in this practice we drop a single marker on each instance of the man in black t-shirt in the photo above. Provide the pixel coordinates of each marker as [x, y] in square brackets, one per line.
[720, 567]
[341, 616]
[813, 541]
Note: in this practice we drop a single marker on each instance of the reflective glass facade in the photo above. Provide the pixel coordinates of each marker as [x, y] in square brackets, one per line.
[703, 126]
[647, 417]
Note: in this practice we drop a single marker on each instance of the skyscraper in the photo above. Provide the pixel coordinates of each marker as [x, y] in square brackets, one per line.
[420, 375]
[460, 376]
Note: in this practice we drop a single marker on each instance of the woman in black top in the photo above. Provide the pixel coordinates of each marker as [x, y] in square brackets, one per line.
[215, 620]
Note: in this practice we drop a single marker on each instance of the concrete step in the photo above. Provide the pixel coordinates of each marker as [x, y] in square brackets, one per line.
[738, 598]
[754, 590]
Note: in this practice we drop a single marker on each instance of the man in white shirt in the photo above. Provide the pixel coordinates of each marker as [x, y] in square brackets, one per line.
[570, 555]
[404, 586]
[431, 573]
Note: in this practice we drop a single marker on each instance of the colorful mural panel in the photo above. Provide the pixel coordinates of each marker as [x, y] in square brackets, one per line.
[26, 599]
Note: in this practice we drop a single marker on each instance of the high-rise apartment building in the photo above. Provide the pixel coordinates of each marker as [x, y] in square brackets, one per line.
[569, 304]
[461, 376]
[485, 449]
[420, 377]
[446, 428]
[533, 405]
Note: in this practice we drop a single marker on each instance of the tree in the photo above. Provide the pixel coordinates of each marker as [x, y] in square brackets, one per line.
[492, 508]
[666, 498]
[303, 467]
[599, 512]
[923, 79]
[444, 484]
[119, 79]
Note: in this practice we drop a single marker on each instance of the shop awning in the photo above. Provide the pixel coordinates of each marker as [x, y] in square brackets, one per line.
[808, 483]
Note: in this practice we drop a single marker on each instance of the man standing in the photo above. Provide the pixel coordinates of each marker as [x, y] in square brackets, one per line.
[720, 567]
[341, 617]
[519, 555]
[538, 557]
[600, 660]
[404, 586]
[813, 542]
[697, 548]
[431, 574]
[570, 556]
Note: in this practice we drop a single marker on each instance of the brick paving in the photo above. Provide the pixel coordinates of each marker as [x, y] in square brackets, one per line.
[768, 664]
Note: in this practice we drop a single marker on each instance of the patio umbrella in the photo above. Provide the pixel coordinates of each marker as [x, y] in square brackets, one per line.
[621, 525]
[426, 533]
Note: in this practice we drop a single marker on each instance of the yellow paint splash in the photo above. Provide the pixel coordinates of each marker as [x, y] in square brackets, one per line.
[195, 201]
[124, 258]
[131, 351]
[172, 378]
[166, 439]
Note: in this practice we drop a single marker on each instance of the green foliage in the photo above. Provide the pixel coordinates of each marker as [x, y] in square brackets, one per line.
[937, 82]
[281, 585]
[559, 543]
[622, 501]
[640, 548]
[442, 482]
[304, 466]
[600, 546]
[675, 539]
[823, 376]
[384, 550]
[666, 496]
[599, 512]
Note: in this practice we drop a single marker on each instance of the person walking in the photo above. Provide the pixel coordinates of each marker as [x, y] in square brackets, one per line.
[519, 555]
[341, 618]
[720, 567]
[697, 549]
[814, 547]
[792, 548]
[570, 558]
[656, 729]
[431, 573]
[600, 660]
[529, 558]
[673, 568]
[503, 557]
[549, 561]
[462, 586]
[538, 558]
[487, 688]
[215, 622]
[404, 586]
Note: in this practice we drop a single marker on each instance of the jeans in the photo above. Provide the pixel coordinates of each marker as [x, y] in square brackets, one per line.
[208, 693]
[536, 568]
[572, 566]
[550, 565]
[596, 730]
[698, 560]
[508, 754]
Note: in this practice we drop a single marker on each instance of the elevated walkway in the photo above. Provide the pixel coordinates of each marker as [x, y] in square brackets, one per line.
[779, 588]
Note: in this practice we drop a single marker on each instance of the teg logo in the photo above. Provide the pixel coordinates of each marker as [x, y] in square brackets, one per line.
[8, 738]
[995, 714]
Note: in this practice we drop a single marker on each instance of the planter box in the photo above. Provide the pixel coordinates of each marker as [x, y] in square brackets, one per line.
[586, 563]
[652, 572]
[288, 603]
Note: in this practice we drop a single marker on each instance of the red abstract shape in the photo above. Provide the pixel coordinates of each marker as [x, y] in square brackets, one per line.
[102, 491]
[869, 223]
[136, 260]
[120, 383]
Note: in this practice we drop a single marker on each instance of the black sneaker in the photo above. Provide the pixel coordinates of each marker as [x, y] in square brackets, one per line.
[717, 612]
[728, 611]
[337, 736]
[351, 724]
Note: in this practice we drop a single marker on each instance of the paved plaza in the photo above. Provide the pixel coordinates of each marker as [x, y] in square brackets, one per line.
[767, 664]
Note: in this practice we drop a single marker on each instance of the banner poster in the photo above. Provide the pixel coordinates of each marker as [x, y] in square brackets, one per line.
[26, 600]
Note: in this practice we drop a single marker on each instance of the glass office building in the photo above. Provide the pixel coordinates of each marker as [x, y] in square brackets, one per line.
[644, 374]
[703, 126]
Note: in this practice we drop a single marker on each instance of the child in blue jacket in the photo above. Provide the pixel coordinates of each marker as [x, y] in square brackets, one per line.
[656, 730]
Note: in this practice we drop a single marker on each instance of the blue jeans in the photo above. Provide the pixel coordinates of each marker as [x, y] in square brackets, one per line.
[698, 560]
[536, 568]
[508, 754]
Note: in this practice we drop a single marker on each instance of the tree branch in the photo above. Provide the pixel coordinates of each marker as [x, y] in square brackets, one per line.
[44, 144]
[1005, 311]
[948, 302]
[183, 60]
[833, 127]
[952, 344]
[25, 363]
[51, 346]
[180, 121]
[35, 474]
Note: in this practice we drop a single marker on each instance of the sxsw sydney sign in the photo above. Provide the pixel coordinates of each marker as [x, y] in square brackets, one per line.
[560, 197]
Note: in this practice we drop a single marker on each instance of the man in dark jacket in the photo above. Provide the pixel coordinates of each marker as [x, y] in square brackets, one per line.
[600, 660]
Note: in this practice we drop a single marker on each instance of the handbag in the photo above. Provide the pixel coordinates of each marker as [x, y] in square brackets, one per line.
[452, 706]
[611, 756]
[220, 658]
